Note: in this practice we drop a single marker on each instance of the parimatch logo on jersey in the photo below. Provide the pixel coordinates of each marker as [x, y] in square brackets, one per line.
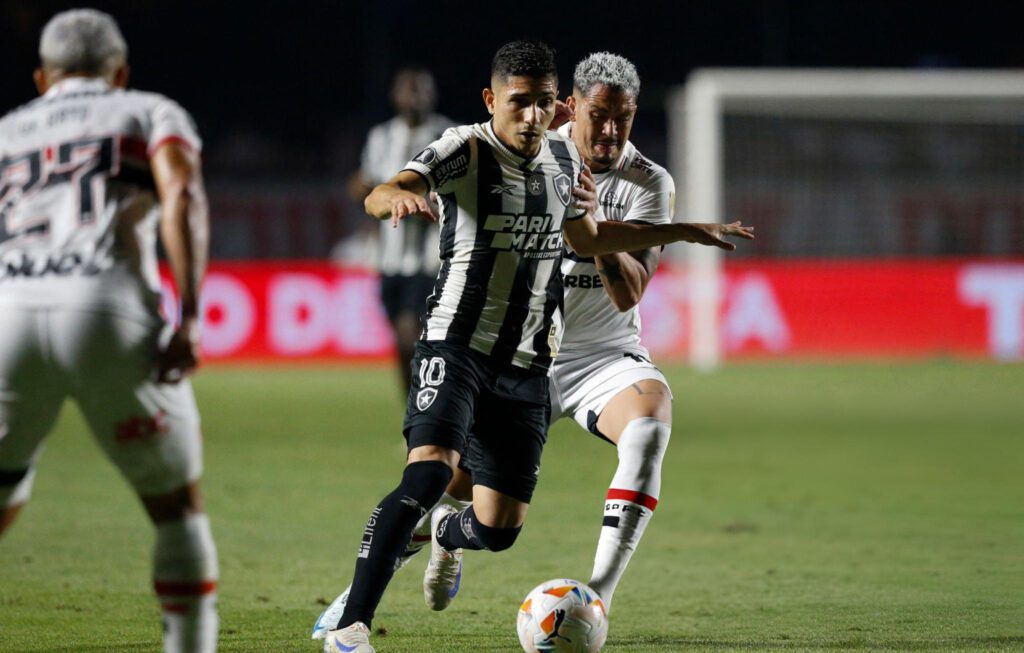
[533, 236]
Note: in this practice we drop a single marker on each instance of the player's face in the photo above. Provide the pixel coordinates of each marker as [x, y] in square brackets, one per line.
[523, 108]
[413, 95]
[604, 118]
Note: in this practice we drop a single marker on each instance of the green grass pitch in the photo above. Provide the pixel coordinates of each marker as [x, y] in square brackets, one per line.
[804, 507]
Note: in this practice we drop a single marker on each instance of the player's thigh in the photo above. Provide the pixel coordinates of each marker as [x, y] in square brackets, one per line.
[97, 348]
[150, 430]
[508, 437]
[31, 394]
[442, 401]
[608, 390]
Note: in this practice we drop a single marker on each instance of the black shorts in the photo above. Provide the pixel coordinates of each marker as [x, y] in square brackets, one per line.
[405, 294]
[497, 419]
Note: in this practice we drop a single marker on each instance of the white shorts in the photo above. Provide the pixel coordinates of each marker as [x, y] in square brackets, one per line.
[105, 363]
[581, 386]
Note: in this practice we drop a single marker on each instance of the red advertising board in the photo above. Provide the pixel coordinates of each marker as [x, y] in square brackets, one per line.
[314, 311]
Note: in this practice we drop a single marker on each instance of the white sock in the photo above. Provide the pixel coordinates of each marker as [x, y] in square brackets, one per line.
[185, 579]
[630, 502]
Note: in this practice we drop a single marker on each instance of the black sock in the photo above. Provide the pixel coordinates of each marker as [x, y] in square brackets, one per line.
[387, 533]
[462, 530]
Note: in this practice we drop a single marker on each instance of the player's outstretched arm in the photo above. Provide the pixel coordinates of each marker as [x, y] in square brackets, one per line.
[591, 238]
[400, 197]
[184, 230]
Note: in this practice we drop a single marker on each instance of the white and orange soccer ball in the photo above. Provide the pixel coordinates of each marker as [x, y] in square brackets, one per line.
[562, 615]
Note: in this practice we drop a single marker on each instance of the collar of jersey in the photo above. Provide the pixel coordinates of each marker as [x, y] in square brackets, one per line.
[77, 84]
[519, 161]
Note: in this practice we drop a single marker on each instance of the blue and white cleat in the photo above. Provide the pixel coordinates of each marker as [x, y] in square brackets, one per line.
[354, 639]
[330, 617]
[443, 576]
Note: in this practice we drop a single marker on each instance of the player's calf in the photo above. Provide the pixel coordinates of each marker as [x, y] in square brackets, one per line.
[387, 533]
[630, 502]
[185, 573]
[421, 536]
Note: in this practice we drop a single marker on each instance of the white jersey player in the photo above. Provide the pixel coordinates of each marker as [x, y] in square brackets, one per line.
[603, 377]
[87, 173]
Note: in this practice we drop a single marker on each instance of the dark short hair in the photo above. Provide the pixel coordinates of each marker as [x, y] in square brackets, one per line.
[527, 58]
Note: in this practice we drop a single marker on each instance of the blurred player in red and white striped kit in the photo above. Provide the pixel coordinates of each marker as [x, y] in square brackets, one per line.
[90, 172]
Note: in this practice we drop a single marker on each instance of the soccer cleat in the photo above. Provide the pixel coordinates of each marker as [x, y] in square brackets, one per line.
[330, 617]
[443, 576]
[354, 639]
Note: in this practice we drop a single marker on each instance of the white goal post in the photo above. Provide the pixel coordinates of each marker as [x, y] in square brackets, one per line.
[696, 159]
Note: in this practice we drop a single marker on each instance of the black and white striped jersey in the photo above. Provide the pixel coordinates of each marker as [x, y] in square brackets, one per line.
[499, 290]
[412, 248]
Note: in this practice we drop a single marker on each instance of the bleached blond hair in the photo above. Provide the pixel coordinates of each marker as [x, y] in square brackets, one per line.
[608, 69]
[83, 41]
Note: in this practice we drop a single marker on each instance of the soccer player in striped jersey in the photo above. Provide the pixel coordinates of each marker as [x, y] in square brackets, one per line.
[480, 393]
[408, 261]
[88, 172]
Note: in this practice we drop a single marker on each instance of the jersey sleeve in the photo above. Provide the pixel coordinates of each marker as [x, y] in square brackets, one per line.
[170, 123]
[654, 202]
[444, 161]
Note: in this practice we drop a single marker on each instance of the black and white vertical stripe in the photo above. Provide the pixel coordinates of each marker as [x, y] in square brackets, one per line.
[501, 302]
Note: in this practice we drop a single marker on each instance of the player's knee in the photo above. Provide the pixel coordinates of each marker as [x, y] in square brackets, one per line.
[425, 481]
[496, 539]
[174, 505]
[645, 438]
[185, 552]
[431, 452]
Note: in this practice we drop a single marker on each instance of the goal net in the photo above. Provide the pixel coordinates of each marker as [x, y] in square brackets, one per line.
[845, 165]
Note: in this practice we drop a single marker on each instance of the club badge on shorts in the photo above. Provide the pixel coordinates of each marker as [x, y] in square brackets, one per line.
[425, 397]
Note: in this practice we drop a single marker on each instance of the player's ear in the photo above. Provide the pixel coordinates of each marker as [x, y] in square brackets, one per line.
[40, 78]
[488, 96]
[121, 77]
[571, 102]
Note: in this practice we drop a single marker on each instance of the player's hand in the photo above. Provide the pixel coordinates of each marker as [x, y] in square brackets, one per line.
[713, 235]
[405, 203]
[586, 192]
[181, 355]
[563, 114]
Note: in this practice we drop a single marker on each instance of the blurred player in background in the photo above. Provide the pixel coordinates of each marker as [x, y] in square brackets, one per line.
[88, 173]
[408, 260]
[493, 327]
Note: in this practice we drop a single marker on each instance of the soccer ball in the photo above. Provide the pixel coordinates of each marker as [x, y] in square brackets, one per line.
[562, 615]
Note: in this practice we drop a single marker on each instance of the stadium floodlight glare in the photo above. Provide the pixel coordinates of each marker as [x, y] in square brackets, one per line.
[696, 114]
